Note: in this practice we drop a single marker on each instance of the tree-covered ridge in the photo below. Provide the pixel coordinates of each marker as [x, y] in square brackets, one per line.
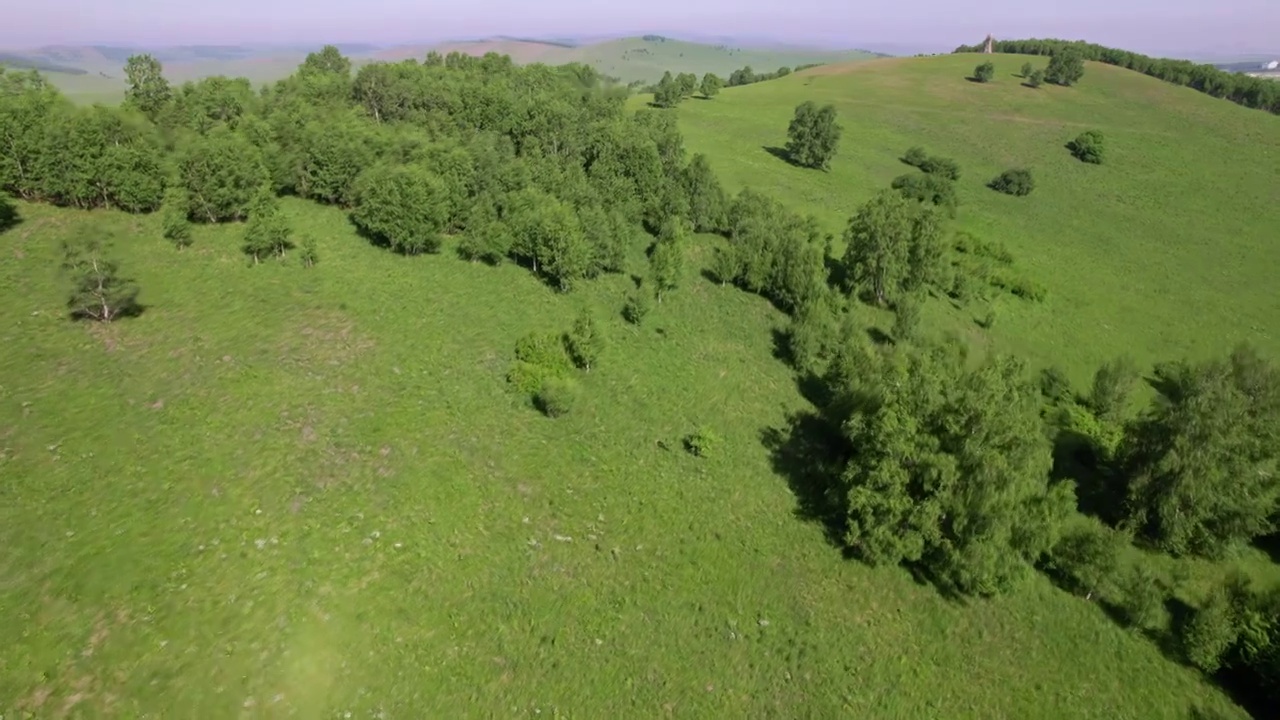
[1252, 92]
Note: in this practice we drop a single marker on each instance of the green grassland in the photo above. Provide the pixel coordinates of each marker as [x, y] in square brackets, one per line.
[639, 59]
[309, 492]
[1163, 252]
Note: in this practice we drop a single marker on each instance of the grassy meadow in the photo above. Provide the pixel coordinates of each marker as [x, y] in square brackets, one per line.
[310, 492]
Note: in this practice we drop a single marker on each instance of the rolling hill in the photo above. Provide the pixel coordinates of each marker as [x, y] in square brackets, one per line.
[308, 491]
[1164, 251]
[94, 73]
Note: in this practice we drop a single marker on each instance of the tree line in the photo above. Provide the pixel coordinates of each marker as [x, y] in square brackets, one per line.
[1252, 92]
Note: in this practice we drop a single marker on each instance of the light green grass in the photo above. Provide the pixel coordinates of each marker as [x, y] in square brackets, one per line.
[283, 490]
[1165, 251]
[639, 59]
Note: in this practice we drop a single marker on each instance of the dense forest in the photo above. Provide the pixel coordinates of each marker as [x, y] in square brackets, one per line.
[972, 472]
[1253, 92]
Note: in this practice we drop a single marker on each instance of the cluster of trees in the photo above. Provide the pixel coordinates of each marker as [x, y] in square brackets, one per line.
[937, 183]
[546, 362]
[746, 76]
[543, 166]
[1065, 68]
[1087, 147]
[1032, 76]
[671, 90]
[1259, 93]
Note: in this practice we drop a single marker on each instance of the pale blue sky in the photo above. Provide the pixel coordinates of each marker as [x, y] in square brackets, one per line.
[1200, 26]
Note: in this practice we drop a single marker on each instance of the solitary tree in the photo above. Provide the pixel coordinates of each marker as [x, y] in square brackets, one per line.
[98, 292]
[1066, 67]
[711, 85]
[984, 72]
[148, 91]
[1036, 78]
[813, 135]
[1017, 181]
[688, 83]
[1027, 70]
[267, 232]
[1087, 147]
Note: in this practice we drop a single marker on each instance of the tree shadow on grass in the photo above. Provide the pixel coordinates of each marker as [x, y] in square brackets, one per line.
[781, 154]
[9, 216]
[973, 79]
[810, 454]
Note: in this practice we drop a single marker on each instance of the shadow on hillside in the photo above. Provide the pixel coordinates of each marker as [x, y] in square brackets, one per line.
[9, 216]
[809, 453]
[1099, 492]
[973, 79]
[781, 154]
[1269, 544]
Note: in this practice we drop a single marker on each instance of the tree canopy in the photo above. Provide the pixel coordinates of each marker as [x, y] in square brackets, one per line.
[813, 135]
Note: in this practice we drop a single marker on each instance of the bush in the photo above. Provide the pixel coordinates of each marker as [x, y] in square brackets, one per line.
[584, 342]
[984, 72]
[906, 319]
[933, 189]
[915, 156]
[1141, 599]
[1085, 558]
[556, 396]
[1028, 290]
[1017, 182]
[946, 167]
[1055, 386]
[1209, 632]
[1035, 79]
[539, 357]
[702, 443]
[636, 307]
[309, 256]
[1027, 70]
[1087, 147]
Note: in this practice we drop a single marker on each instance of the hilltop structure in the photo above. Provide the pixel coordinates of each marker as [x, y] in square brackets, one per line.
[988, 46]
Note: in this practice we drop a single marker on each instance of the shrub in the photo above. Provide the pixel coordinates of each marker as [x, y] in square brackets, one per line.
[636, 307]
[1035, 79]
[906, 320]
[98, 290]
[1017, 182]
[915, 156]
[309, 255]
[584, 342]
[1087, 147]
[1086, 557]
[1027, 70]
[1027, 289]
[1209, 632]
[1141, 599]
[1055, 386]
[539, 357]
[946, 167]
[556, 396]
[702, 443]
[984, 72]
[933, 189]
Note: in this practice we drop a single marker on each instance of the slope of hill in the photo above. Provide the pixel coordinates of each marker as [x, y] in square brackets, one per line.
[647, 58]
[1163, 251]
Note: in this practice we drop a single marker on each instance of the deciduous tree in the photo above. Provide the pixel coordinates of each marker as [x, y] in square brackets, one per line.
[711, 85]
[98, 291]
[985, 72]
[813, 135]
[148, 91]
[1087, 147]
[666, 260]
[221, 172]
[267, 232]
[1066, 67]
[403, 206]
[176, 226]
[584, 341]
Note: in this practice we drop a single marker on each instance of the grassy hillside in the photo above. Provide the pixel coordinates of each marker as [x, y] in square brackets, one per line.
[641, 59]
[1164, 251]
[301, 491]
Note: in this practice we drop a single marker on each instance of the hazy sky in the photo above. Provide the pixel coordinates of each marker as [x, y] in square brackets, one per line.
[1203, 26]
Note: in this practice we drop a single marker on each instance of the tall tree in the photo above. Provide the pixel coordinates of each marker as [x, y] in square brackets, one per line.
[878, 244]
[98, 290]
[950, 469]
[175, 224]
[584, 341]
[221, 172]
[1201, 463]
[707, 201]
[1066, 67]
[688, 83]
[148, 91]
[813, 135]
[668, 92]
[711, 85]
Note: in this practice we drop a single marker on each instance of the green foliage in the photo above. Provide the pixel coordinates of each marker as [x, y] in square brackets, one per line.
[892, 244]
[557, 396]
[814, 332]
[309, 255]
[221, 172]
[333, 154]
[1087, 558]
[945, 167]
[148, 91]
[98, 291]
[1027, 69]
[1017, 182]
[708, 205]
[1201, 461]
[906, 319]
[711, 85]
[915, 156]
[636, 307]
[539, 357]
[8, 214]
[1055, 386]
[1066, 67]
[1112, 384]
[667, 258]
[549, 233]
[772, 251]
[950, 469]
[813, 135]
[403, 206]
[1087, 147]
[584, 342]
[1036, 78]
[1141, 598]
[702, 442]
[267, 231]
[688, 83]
[668, 92]
[932, 189]
[173, 217]
[985, 72]
[1206, 636]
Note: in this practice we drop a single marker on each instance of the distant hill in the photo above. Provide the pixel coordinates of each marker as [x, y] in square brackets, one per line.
[100, 76]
